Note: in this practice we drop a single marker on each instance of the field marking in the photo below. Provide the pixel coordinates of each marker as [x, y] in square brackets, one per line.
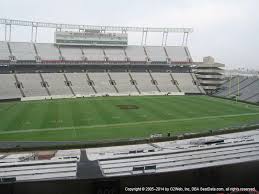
[116, 117]
[86, 119]
[27, 123]
[124, 124]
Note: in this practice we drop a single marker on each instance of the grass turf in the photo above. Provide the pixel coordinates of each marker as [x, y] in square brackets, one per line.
[91, 119]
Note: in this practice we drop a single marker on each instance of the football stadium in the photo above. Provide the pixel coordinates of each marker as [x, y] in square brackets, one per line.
[90, 85]
[104, 108]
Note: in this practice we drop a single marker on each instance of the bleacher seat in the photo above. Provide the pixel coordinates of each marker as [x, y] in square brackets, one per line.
[115, 54]
[8, 89]
[102, 83]
[232, 86]
[56, 84]
[165, 82]
[185, 82]
[144, 82]
[136, 53]
[250, 90]
[156, 53]
[254, 99]
[32, 84]
[123, 83]
[23, 51]
[177, 53]
[4, 51]
[48, 52]
[94, 54]
[80, 83]
[71, 53]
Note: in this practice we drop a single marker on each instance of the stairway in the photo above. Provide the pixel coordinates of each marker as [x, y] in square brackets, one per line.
[12, 57]
[197, 83]
[147, 57]
[46, 85]
[111, 80]
[167, 56]
[68, 84]
[20, 85]
[178, 88]
[92, 86]
[60, 53]
[9, 48]
[131, 78]
[188, 54]
[35, 49]
[158, 89]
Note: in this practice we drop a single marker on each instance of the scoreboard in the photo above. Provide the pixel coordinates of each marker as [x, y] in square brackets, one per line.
[91, 38]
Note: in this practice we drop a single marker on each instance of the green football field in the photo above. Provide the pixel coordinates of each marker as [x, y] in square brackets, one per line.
[109, 118]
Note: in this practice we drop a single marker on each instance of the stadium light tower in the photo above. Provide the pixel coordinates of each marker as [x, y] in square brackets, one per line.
[9, 23]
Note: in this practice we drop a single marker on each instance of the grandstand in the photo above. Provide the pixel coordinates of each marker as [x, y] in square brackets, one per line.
[134, 165]
[94, 64]
[47, 52]
[241, 88]
[59, 84]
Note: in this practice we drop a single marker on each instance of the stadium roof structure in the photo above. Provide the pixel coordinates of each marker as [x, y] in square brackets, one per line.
[8, 23]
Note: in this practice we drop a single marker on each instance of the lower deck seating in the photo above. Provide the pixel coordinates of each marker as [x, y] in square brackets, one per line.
[80, 84]
[94, 83]
[102, 83]
[250, 90]
[144, 82]
[231, 87]
[185, 82]
[246, 88]
[123, 83]
[56, 83]
[8, 88]
[165, 82]
[32, 88]
[254, 99]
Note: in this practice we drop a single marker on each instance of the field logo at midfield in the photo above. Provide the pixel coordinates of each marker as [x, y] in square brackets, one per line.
[127, 106]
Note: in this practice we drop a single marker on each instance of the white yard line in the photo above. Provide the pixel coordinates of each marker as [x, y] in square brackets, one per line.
[125, 124]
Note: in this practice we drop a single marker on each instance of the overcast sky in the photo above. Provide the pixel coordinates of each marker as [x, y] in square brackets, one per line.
[225, 29]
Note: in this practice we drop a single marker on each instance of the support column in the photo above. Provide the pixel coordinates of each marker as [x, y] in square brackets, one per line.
[185, 38]
[144, 37]
[164, 38]
[8, 32]
[34, 33]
